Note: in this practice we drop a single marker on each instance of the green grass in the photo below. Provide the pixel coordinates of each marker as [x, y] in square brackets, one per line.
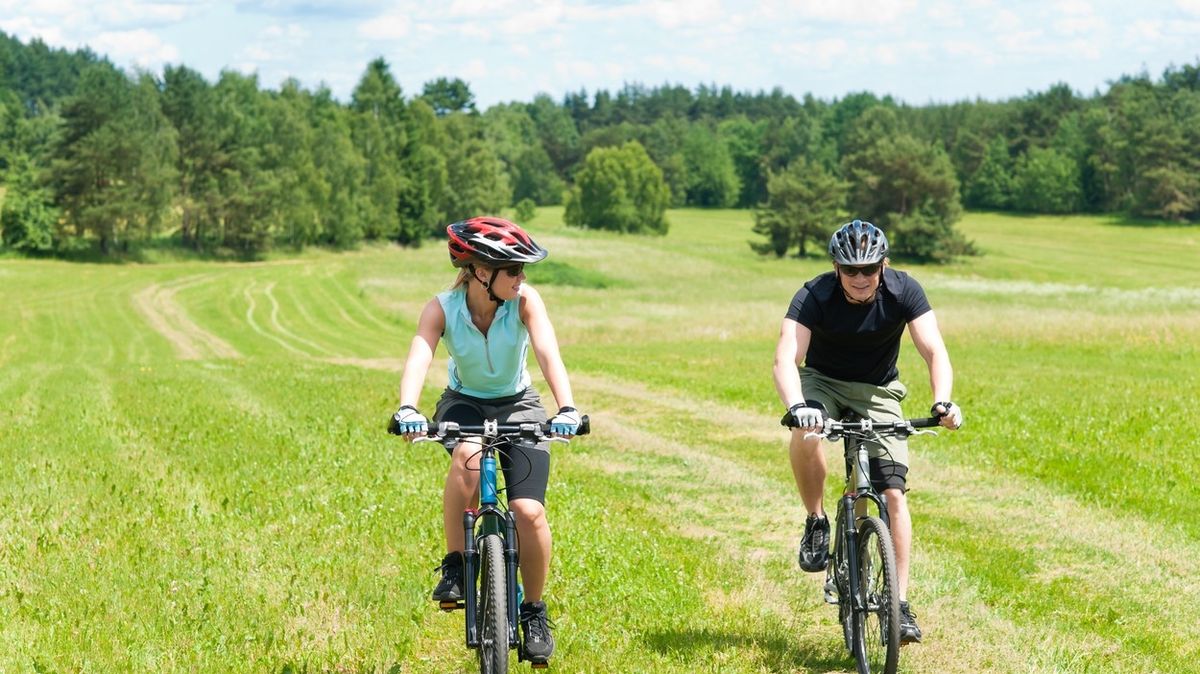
[194, 475]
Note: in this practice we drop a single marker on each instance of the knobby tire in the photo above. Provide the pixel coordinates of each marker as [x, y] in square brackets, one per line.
[492, 615]
[877, 630]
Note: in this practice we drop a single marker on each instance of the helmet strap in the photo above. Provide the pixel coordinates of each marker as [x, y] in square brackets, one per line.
[487, 285]
[490, 283]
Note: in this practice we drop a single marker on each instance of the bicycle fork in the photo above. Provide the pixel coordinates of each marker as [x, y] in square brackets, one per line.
[511, 558]
[470, 573]
[850, 553]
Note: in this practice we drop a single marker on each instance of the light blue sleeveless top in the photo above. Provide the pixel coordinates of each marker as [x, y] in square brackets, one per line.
[485, 367]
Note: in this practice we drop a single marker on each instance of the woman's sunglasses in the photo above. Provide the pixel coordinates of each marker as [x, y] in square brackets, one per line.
[868, 270]
[515, 270]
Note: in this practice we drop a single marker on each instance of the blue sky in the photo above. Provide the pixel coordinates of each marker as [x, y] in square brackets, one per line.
[916, 50]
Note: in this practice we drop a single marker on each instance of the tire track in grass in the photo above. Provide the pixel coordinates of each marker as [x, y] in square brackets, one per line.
[322, 289]
[390, 364]
[157, 304]
[250, 309]
[364, 307]
[6, 349]
[326, 330]
[269, 291]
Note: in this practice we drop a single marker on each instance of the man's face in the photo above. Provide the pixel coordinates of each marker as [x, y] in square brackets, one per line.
[859, 282]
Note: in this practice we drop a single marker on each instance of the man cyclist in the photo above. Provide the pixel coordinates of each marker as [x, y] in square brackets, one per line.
[837, 353]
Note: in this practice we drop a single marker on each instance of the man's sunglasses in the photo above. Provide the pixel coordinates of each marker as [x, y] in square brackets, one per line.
[867, 269]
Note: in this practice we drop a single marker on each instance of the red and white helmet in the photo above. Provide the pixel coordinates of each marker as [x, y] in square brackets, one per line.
[491, 241]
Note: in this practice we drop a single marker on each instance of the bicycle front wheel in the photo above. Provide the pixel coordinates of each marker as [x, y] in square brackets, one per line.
[492, 616]
[877, 624]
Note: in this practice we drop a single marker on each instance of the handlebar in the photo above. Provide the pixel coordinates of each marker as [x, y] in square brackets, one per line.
[833, 429]
[450, 430]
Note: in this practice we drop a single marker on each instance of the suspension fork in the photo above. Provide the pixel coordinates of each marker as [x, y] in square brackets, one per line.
[470, 572]
[511, 557]
[850, 541]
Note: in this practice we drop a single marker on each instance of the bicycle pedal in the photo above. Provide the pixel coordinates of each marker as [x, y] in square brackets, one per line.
[539, 665]
[831, 593]
[449, 606]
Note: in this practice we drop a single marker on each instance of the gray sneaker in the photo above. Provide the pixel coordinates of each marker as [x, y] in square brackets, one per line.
[537, 644]
[910, 633]
[449, 588]
[814, 547]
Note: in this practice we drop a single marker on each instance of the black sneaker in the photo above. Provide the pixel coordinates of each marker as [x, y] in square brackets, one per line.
[814, 547]
[536, 642]
[449, 588]
[910, 633]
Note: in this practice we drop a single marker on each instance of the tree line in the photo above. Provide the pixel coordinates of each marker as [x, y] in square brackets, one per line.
[91, 156]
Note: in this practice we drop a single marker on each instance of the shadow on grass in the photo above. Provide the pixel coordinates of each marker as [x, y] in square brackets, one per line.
[771, 653]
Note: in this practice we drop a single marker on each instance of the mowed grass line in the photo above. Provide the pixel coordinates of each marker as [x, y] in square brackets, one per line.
[249, 515]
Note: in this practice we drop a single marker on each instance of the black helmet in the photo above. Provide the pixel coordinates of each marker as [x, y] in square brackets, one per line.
[857, 243]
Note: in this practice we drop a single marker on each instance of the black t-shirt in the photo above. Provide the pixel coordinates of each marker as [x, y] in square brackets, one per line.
[857, 342]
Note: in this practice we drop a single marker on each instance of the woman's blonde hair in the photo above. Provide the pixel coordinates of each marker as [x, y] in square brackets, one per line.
[464, 277]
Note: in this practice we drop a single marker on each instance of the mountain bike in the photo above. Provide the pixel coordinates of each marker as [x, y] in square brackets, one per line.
[861, 576]
[491, 546]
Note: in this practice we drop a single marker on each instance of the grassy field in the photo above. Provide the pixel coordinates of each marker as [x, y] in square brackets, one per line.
[194, 474]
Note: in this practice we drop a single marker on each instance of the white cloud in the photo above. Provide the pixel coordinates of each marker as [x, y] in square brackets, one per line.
[134, 13]
[853, 12]
[677, 14]
[292, 32]
[540, 17]
[475, 69]
[1081, 25]
[1143, 30]
[946, 14]
[393, 26]
[478, 8]
[970, 51]
[139, 47]
[1189, 6]
[276, 45]
[820, 54]
[26, 29]
[1005, 19]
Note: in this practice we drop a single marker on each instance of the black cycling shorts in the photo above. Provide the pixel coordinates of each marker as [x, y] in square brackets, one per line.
[887, 474]
[526, 466]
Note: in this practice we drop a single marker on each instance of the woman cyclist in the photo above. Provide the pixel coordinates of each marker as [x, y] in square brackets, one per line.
[488, 319]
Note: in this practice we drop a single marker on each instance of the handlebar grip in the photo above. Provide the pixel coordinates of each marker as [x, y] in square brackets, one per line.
[929, 422]
[393, 426]
[585, 426]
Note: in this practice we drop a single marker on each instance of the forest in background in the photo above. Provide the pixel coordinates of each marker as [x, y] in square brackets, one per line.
[94, 158]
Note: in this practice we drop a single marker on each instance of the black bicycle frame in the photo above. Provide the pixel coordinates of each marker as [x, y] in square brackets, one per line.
[856, 453]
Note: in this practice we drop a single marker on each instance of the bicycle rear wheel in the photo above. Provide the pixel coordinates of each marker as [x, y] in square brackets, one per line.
[492, 616]
[877, 628]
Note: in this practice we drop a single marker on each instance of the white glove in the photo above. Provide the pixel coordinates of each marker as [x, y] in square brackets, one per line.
[806, 417]
[948, 411]
[410, 422]
[565, 423]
